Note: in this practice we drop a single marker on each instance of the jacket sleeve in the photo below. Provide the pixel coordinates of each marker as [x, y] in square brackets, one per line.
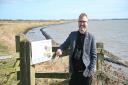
[66, 43]
[93, 55]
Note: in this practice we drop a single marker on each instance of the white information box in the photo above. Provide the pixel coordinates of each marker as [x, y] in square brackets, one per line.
[41, 51]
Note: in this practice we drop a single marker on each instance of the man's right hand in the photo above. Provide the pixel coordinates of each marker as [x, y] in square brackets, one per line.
[59, 52]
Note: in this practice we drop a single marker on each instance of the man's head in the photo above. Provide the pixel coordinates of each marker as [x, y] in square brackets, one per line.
[83, 23]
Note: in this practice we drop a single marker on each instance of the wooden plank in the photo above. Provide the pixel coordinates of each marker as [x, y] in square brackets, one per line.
[17, 63]
[118, 62]
[52, 75]
[17, 41]
[113, 58]
[110, 54]
[17, 68]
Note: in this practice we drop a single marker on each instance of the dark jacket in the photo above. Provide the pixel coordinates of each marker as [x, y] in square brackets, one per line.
[89, 51]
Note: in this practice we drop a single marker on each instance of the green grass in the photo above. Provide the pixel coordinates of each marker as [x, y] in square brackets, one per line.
[3, 49]
[6, 67]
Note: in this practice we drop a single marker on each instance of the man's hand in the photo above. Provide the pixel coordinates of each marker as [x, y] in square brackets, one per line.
[59, 52]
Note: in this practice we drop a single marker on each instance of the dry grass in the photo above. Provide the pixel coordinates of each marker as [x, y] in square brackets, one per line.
[56, 65]
[8, 30]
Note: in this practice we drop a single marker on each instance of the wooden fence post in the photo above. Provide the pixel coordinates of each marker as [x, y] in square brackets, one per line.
[17, 41]
[100, 61]
[23, 64]
[27, 73]
[100, 56]
[17, 44]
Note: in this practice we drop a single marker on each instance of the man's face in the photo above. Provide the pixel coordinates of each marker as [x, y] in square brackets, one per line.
[83, 23]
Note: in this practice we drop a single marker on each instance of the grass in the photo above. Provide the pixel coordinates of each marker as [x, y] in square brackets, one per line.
[5, 71]
[3, 49]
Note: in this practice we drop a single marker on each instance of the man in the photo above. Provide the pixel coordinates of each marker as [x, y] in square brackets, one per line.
[82, 49]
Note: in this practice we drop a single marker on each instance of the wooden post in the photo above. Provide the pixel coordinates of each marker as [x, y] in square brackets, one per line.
[100, 56]
[26, 75]
[100, 61]
[17, 41]
[23, 64]
[27, 72]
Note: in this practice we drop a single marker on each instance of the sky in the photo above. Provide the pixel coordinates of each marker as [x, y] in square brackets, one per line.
[63, 9]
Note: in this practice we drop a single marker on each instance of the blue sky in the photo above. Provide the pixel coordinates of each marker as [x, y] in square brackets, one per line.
[63, 9]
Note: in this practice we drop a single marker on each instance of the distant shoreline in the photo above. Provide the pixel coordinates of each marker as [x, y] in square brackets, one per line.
[58, 20]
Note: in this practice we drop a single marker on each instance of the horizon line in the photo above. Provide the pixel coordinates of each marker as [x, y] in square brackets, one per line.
[57, 19]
